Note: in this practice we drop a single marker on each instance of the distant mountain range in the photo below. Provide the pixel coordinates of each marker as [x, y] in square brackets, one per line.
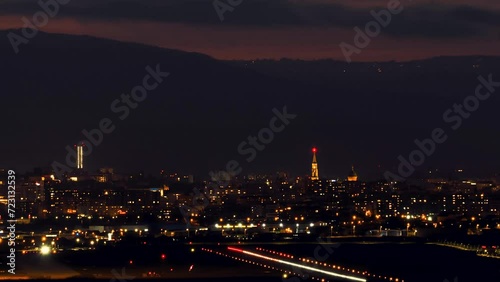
[364, 114]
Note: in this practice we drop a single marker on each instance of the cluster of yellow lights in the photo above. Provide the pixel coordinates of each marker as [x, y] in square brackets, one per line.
[240, 225]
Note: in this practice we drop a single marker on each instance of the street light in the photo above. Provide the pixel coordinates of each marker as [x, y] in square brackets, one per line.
[45, 250]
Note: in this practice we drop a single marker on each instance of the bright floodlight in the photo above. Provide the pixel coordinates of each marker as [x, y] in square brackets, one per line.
[45, 250]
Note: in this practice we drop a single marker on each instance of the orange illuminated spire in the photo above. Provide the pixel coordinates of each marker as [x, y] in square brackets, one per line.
[353, 176]
[314, 168]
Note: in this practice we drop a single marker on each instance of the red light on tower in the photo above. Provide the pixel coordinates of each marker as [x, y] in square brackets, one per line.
[315, 150]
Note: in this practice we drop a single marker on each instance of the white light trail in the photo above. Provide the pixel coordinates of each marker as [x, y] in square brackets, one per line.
[348, 277]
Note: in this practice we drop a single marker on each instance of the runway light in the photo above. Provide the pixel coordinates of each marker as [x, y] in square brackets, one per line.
[45, 250]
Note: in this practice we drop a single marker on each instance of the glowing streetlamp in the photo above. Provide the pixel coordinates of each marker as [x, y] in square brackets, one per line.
[45, 250]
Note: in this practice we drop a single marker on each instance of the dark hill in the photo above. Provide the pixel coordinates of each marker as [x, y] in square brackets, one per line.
[59, 85]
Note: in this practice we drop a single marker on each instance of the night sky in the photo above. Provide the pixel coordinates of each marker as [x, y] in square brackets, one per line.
[59, 85]
[279, 28]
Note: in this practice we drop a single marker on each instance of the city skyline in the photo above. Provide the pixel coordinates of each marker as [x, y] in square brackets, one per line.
[314, 175]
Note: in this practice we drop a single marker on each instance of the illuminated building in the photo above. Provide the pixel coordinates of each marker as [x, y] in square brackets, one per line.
[352, 177]
[314, 171]
[31, 195]
[79, 156]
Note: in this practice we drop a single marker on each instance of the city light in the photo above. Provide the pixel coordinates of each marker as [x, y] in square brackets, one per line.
[45, 250]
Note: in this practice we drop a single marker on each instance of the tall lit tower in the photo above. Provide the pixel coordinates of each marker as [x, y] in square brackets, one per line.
[314, 171]
[79, 156]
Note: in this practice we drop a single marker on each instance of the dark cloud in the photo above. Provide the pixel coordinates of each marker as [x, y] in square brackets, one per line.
[440, 22]
[415, 21]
